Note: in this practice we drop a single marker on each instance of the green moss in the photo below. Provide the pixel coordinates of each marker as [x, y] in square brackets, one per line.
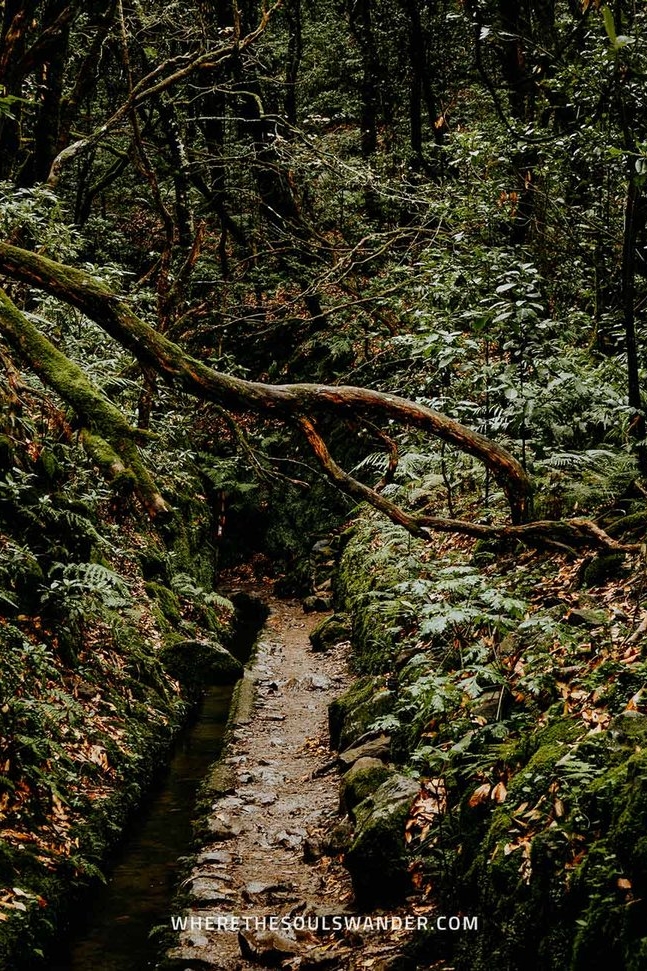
[377, 859]
[153, 564]
[330, 631]
[361, 781]
[167, 600]
[342, 710]
[196, 664]
[603, 568]
[632, 526]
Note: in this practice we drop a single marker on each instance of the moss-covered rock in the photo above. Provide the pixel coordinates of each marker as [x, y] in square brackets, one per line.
[632, 526]
[196, 664]
[361, 781]
[153, 564]
[169, 604]
[603, 568]
[377, 859]
[330, 631]
[353, 713]
[316, 602]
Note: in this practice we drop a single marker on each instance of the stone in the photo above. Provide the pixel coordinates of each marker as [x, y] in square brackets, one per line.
[197, 663]
[604, 567]
[586, 617]
[317, 682]
[266, 947]
[313, 849]
[293, 839]
[376, 748]
[219, 830]
[330, 631]
[338, 839]
[208, 892]
[259, 889]
[269, 775]
[263, 798]
[364, 777]
[351, 715]
[377, 858]
[489, 704]
[215, 856]
[316, 604]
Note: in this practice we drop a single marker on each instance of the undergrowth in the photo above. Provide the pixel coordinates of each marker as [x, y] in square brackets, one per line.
[520, 704]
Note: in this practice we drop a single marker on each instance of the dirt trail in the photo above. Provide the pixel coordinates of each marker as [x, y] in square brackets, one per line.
[274, 808]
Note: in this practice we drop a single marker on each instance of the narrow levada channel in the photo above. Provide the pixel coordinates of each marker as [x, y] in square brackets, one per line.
[112, 928]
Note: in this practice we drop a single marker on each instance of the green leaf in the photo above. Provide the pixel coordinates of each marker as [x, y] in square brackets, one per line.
[609, 26]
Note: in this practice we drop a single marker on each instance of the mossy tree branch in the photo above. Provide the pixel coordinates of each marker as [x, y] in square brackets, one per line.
[572, 533]
[286, 401]
[109, 435]
[302, 403]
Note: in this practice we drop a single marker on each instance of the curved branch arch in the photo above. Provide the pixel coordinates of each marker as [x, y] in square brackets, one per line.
[300, 403]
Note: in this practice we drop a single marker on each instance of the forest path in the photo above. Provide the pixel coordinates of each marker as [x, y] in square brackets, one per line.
[274, 807]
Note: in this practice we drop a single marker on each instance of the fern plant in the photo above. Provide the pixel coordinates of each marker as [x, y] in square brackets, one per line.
[186, 586]
[78, 590]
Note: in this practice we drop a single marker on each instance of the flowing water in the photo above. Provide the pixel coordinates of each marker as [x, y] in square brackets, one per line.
[113, 926]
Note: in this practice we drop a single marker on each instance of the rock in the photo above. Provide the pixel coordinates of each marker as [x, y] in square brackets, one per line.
[586, 617]
[377, 748]
[323, 549]
[317, 682]
[604, 567]
[313, 849]
[353, 713]
[269, 775]
[377, 858]
[339, 839]
[196, 663]
[263, 798]
[266, 947]
[219, 830]
[319, 957]
[316, 604]
[214, 856]
[405, 655]
[229, 802]
[362, 780]
[208, 892]
[259, 889]
[489, 704]
[293, 839]
[330, 631]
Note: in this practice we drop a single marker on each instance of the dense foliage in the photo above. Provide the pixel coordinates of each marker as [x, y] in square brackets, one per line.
[441, 201]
